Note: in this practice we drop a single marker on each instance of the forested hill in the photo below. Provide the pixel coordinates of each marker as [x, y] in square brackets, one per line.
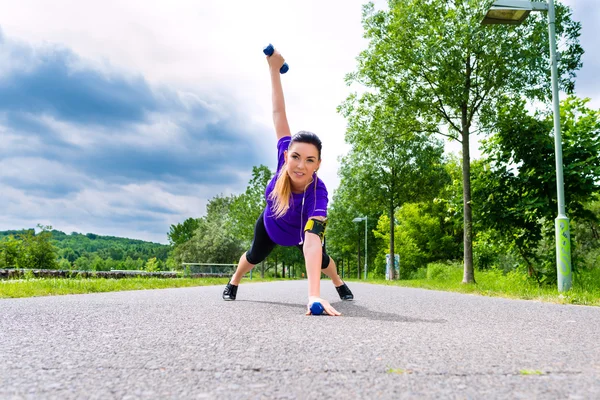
[74, 245]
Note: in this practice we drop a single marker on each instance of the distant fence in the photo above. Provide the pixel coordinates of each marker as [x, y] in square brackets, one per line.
[115, 274]
[208, 269]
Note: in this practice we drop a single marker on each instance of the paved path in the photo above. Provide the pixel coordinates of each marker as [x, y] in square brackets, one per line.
[391, 343]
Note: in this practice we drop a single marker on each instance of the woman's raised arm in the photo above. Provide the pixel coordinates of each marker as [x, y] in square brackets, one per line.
[280, 121]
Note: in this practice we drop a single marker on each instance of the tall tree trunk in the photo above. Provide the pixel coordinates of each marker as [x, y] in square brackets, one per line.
[468, 276]
[392, 255]
[262, 269]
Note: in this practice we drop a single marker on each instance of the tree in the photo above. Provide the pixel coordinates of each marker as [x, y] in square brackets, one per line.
[130, 264]
[10, 251]
[393, 160]
[68, 254]
[37, 250]
[74, 245]
[212, 242]
[247, 207]
[151, 265]
[435, 55]
[82, 263]
[97, 264]
[64, 264]
[181, 233]
[517, 192]
[587, 237]
[227, 228]
[342, 233]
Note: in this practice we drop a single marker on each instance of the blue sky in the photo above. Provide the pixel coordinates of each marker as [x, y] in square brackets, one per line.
[124, 118]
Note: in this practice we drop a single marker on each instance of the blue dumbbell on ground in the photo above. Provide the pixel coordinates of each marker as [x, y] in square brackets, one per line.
[269, 52]
[316, 308]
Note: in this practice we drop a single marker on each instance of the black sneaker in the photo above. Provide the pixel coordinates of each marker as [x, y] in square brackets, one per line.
[230, 292]
[344, 292]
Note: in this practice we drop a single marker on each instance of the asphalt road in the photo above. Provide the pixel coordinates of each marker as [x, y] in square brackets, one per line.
[391, 343]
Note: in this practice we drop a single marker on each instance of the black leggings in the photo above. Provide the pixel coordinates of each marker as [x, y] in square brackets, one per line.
[262, 245]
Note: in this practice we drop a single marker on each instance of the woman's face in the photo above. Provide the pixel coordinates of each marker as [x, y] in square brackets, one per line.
[302, 160]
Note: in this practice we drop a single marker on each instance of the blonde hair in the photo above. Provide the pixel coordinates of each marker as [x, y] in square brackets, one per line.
[282, 193]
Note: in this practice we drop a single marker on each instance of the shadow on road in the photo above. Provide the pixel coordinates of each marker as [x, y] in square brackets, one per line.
[353, 310]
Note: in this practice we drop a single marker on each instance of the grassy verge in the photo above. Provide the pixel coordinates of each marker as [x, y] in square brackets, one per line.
[13, 288]
[448, 277]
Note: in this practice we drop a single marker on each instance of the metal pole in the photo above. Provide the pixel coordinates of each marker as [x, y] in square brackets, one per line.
[358, 261]
[563, 240]
[366, 220]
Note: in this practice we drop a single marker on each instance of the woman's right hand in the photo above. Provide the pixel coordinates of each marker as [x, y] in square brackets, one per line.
[275, 61]
[328, 309]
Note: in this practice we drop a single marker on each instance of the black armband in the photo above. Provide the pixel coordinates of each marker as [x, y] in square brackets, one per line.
[317, 227]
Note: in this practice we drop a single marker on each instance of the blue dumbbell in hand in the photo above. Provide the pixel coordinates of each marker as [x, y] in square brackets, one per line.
[269, 52]
[316, 308]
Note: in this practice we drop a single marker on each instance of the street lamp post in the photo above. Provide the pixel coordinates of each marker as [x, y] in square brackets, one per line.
[358, 219]
[515, 12]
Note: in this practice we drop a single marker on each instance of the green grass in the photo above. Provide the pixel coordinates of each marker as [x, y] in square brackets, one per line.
[531, 372]
[585, 290]
[398, 371]
[13, 288]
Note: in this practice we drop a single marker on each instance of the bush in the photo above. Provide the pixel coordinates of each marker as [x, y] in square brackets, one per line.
[64, 264]
[443, 271]
[587, 280]
[420, 273]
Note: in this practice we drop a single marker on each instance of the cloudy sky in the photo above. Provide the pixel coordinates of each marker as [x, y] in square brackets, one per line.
[124, 117]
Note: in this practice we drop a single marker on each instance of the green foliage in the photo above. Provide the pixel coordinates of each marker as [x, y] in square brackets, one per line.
[586, 238]
[432, 228]
[424, 232]
[28, 275]
[531, 372]
[437, 272]
[10, 250]
[83, 263]
[420, 273]
[515, 187]
[345, 238]
[212, 242]
[392, 159]
[107, 246]
[228, 228]
[247, 207]
[74, 246]
[64, 264]
[97, 264]
[151, 265]
[435, 64]
[181, 233]
[36, 250]
[489, 251]
[411, 257]
[443, 271]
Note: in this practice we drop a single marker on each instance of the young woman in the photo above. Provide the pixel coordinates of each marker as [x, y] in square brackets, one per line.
[296, 211]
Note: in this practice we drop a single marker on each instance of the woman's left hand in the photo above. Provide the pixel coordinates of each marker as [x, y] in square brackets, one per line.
[328, 308]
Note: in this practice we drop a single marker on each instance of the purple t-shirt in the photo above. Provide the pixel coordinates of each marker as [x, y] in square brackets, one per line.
[288, 229]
